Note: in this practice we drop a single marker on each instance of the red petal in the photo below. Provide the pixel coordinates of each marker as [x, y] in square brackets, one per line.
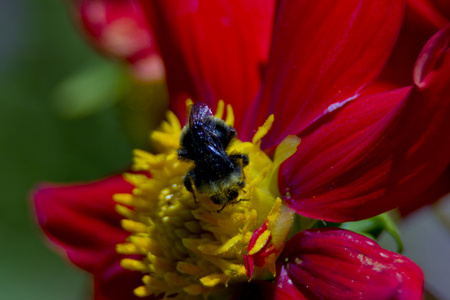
[430, 12]
[339, 264]
[322, 53]
[212, 50]
[81, 220]
[377, 152]
[435, 192]
[118, 28]
[285, 284]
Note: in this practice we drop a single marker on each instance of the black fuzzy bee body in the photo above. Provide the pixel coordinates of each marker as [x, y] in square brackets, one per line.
[204, 141]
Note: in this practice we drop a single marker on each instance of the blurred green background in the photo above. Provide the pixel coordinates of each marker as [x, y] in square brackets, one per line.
[39, 49]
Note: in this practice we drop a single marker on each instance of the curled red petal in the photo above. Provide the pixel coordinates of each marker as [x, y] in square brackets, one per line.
[323, 52]
[432, 67]
[339, 264]
[377, 152]
[80, 219]
[119, 29]
[256, 235]
[251, 259]
[422, 19]
[213, 50]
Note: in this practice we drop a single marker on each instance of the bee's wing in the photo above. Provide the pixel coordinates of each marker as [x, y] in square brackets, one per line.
[200, 114]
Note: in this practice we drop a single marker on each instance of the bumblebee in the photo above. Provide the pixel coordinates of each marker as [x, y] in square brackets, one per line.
[204, 140]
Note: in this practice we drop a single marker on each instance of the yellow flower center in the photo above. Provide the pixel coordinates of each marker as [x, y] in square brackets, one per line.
[187, 248]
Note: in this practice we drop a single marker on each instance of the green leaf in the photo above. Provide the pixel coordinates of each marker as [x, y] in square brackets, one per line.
[373, 227]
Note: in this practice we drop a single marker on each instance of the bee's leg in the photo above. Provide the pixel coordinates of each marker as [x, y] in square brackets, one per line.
[222, 208]
[239, 200]
[219, 200]
[233, 198]
[188, 183]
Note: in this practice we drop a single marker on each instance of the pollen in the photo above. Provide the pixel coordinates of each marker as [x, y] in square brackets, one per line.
[186, 247]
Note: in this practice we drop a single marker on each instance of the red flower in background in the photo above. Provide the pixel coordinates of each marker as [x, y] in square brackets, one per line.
[360, 155]
[119, 29]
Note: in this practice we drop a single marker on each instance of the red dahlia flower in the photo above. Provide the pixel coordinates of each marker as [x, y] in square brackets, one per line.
[358, 156]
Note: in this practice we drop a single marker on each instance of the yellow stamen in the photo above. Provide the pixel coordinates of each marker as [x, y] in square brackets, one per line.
[188, 249]
[262, 131]
[219, 110]
[230, 116]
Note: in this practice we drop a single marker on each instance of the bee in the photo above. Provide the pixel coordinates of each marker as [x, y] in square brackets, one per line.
[204, 140]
